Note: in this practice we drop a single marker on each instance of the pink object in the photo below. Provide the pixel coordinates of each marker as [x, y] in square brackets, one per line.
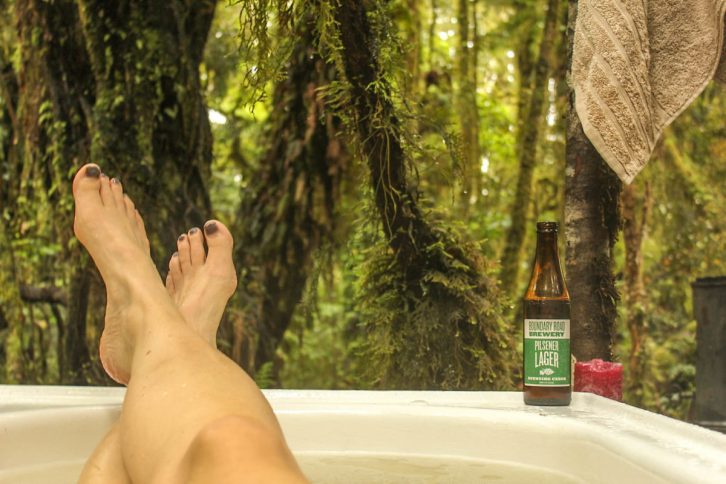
[599, 377]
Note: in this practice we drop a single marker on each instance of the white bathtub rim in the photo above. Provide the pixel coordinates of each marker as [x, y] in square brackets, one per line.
[646, 438]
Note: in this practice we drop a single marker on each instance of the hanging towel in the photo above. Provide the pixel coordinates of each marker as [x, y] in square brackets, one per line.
[636, 65]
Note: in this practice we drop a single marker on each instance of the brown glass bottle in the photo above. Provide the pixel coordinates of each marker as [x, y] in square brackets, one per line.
[546, 331]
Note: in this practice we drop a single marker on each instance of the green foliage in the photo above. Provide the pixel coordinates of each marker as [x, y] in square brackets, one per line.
[264, 376]
[319, 350]
[685, 238]
[265, 42]
[446, 332]
[364, 321]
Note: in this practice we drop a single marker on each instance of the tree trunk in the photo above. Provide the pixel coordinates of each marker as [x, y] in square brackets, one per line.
[434, 318]
[402, 221]
[468, 111]
[4, 327]
[12, 315]
[76, 357]
[52, 137]
[414, 26]
[527, 152]
[525, 64]
[292, 210]
[432, 34]
[149, 116]
[634, 230]
[592, 221]
[117, 84]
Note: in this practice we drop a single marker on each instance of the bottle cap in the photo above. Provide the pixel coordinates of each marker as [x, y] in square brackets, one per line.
[547, 227]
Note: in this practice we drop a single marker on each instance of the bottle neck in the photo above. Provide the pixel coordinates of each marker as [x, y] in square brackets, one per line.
[547, 248]
[547, 280]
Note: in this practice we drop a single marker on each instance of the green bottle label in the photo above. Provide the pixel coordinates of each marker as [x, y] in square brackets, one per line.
[547, 352]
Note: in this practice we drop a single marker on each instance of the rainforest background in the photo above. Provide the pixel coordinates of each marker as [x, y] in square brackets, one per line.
[381, 164]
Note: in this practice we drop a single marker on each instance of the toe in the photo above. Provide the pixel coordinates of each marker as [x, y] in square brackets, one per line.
[106, 194]
[118, 192]
[87, 181]
[196, 246]
[175, 271]
[88, 202]
[130, 208]
[169, 284]
[219, 239]
[142, 230]
[182, 245]
[220, 244]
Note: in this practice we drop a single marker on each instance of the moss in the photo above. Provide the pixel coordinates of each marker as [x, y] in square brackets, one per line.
[441, 330]
[431, 316]
[97, 83]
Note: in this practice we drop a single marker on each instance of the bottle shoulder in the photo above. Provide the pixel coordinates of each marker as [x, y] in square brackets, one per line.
[546, 308]
[533, 296]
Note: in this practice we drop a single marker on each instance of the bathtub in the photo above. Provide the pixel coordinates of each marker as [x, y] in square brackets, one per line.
[46, 433]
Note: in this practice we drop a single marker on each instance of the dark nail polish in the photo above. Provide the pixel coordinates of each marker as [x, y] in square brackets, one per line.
[93, 172]
[211, 228]
[193, 231]
[182, 237]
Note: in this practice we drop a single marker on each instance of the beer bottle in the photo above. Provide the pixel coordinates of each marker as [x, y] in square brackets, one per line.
[547, 326]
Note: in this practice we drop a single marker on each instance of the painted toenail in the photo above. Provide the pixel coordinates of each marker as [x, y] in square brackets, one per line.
[93, 172]
[104, 176]
[182, 237]
[175, 254]
[193, 231]
[115, 181]
[211, 228]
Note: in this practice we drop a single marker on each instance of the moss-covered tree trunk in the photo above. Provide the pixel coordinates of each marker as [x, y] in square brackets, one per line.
[592, 222]
[379, 131]
[291, 209]
[525, 61]
[433, 318]
[527, 151]
[635, 210]
[149, 122]
[10, 303]
[114, 83]
[52, 137]
[12, 319]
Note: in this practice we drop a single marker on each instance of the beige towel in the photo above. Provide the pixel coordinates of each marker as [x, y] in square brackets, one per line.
[637, 64]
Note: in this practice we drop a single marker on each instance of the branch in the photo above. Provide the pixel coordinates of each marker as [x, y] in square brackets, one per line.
[53, 295]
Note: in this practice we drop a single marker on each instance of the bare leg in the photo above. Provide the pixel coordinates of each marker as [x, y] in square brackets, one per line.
[190, 414]
[200, 285]
[106, 465]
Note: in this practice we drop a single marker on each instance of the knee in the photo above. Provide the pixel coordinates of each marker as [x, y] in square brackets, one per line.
[233, 433]
[236, 443]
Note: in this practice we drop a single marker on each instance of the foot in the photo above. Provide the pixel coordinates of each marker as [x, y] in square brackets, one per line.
[199, 283]
[108, 225]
